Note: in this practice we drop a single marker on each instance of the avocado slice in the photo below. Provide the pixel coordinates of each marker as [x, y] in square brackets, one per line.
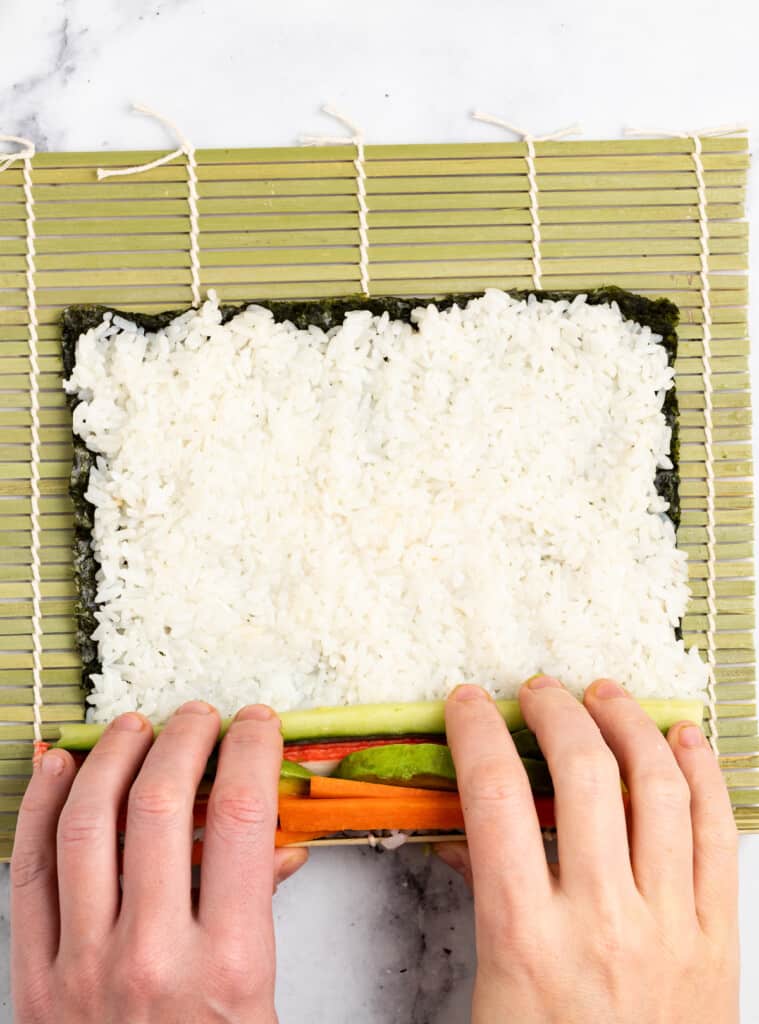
[425, 765]
[293, 779]
[293, 770]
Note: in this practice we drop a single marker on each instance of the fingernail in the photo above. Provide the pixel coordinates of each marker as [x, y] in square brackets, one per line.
[52, 763]
[691, 736]
[291, 863]
[607, 689]
[255, 713]
[542, 682]
[469, 692]
[130, 722]
[194, 707]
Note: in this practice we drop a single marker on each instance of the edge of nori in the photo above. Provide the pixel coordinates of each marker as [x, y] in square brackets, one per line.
[660, 315]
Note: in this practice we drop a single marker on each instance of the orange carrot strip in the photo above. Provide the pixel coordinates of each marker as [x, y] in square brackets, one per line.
[436, 811]
[327, 787]
[341, 804]
[323, 786]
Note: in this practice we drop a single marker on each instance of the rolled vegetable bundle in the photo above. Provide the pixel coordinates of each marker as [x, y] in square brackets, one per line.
[375, 759]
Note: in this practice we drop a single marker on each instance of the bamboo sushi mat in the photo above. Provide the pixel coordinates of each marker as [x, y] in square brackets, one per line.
[278, 223]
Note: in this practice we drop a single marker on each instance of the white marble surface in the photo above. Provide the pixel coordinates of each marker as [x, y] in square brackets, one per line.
[367, 937]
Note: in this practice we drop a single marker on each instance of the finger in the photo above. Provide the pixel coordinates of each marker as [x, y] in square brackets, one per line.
[158, 841]
[715, 838]
[590, 817]
[286, 863]
[238, 848]
[456, 856]
[34, 877]
[88, 871]
[661, 840]
[505, 844]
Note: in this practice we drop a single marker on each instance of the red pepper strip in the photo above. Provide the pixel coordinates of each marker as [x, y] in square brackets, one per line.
[335, 750]
[544, 805]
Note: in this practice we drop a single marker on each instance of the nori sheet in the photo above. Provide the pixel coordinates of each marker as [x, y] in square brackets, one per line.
[660, 315]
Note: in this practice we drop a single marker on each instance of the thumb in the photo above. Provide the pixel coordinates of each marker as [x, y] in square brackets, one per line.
[456, 856]
[287, 862]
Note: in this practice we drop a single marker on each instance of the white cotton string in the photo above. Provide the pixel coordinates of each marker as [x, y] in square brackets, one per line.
[25, 154]
[26, 150]
[187, 150]
[357, 139]
[724, 129]
[706, 372]
[532, 179]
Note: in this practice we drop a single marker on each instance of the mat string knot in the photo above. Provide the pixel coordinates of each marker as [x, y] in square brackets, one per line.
[357, 138]
[530, 140]
[25, 152]
[187, 150]
[665, 133]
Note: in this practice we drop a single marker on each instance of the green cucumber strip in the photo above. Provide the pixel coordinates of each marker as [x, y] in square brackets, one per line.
[421, 718]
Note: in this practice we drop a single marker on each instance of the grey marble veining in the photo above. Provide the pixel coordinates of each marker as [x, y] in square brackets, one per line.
[381, 937]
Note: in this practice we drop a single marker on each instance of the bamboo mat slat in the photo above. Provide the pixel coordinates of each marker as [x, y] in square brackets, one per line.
[284, 223]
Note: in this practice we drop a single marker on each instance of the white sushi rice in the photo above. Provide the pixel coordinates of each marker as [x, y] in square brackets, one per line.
[382, 511]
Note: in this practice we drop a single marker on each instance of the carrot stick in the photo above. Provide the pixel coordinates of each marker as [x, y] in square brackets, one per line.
[327, 787]
[337, 805]
[435, 810]
[323, 786]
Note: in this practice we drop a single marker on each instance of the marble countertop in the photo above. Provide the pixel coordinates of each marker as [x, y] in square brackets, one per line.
[363, 936]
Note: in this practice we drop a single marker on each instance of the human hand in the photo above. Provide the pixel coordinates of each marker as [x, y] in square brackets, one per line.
[82, 950]
[626, 932]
